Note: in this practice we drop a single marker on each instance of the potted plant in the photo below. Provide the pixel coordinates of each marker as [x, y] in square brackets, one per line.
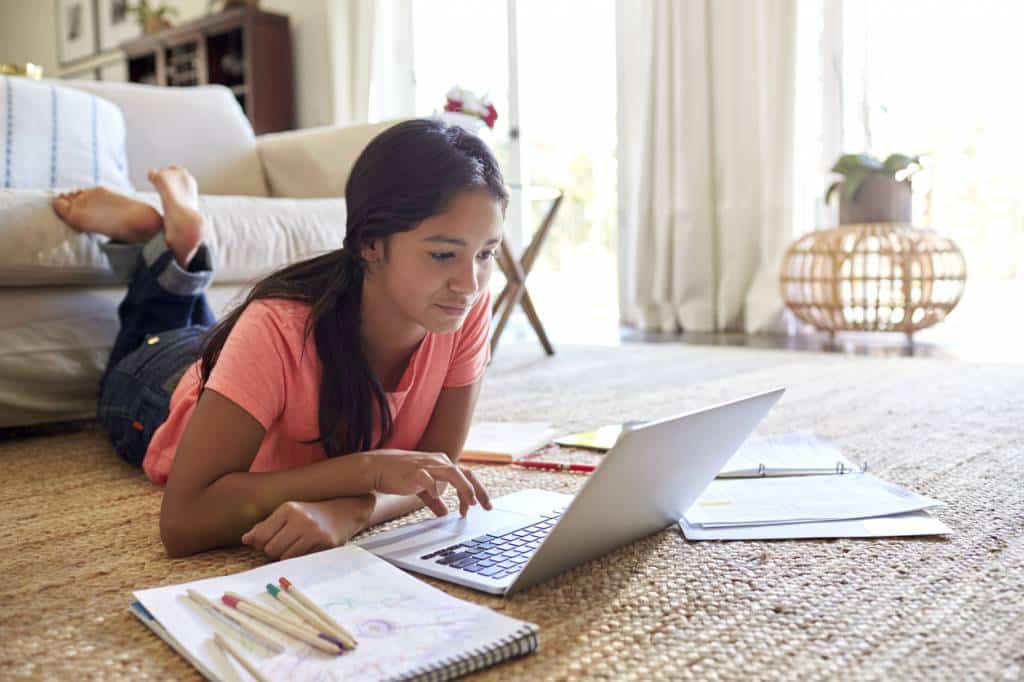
[874, 191]
[153, 17]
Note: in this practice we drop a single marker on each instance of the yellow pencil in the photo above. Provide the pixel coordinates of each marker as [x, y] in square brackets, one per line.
[230, 649]
[336, 629]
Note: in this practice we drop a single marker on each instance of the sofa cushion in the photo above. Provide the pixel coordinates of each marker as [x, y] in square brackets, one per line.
[250, 235]
[314, 162]
[200, 128]
[57, 137]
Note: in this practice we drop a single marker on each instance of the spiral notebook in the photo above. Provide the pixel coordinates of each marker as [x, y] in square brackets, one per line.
[407, 630]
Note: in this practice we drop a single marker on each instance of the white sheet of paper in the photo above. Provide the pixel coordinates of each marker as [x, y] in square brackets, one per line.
[401, 622]
[511, 438]
[747, 501]
[912, 523]
[785, 454]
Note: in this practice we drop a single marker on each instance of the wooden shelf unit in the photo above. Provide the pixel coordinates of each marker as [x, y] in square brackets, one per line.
[244, 49]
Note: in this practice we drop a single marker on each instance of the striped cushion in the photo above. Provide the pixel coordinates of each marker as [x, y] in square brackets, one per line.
[53, 137]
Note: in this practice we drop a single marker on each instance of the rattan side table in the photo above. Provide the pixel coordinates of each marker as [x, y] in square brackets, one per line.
[873, 277]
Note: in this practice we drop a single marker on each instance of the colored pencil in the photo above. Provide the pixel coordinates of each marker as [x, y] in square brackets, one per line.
[336, 629]
[239, 622]
[304, 633]
[283, 614]
[230, 649]
[554, 466]
[309, 616]
[275, 614]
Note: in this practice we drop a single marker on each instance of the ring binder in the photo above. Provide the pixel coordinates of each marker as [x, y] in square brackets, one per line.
[840, 468]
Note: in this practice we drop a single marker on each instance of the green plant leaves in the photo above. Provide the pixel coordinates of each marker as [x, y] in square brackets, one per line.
[899, 162]
[849, 163]
[831, 188]
[856, 167]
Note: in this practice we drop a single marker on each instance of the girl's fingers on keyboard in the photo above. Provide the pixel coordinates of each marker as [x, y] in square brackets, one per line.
[454, 475]
[481, 492]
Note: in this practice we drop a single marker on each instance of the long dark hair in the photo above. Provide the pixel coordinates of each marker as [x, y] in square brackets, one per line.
[408, 173]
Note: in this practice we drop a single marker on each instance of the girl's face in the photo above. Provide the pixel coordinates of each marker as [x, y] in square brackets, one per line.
[434, 273]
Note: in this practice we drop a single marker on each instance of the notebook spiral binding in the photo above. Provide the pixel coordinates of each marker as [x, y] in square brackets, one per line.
[522, 642]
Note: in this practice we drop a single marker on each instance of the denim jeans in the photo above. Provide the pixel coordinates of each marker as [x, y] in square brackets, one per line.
[163, 318]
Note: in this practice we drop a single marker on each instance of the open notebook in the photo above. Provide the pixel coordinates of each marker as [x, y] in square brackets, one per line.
[504, 442]
[406, 629]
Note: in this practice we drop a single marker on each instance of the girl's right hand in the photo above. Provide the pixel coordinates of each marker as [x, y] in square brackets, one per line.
[405, 472]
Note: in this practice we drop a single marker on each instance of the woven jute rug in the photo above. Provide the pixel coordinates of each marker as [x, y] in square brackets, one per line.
[78, 532]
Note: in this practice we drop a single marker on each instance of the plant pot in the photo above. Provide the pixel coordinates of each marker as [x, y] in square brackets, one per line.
[879, 199]
[154, 24]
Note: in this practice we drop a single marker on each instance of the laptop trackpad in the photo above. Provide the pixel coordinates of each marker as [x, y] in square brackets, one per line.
[419, 538]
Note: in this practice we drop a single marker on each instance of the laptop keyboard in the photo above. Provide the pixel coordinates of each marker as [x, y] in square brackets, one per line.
[496, 556]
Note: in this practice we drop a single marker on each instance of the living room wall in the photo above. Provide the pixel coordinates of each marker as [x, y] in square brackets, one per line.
[28, 33]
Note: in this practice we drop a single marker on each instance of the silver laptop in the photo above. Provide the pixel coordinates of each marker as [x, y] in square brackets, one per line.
[643, 484]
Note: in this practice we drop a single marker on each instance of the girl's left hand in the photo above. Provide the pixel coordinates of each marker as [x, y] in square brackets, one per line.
[297, 528]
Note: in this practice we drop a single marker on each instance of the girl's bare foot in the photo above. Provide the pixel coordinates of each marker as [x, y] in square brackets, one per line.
[184, 226]
[99, 210]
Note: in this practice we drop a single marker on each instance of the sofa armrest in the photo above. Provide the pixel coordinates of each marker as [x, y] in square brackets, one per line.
[314, 162]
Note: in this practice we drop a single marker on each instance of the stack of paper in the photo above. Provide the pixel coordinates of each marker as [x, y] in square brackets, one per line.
[766, 492]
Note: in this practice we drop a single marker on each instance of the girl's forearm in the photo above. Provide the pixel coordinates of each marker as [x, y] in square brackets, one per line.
[223, 511]
[390, 507]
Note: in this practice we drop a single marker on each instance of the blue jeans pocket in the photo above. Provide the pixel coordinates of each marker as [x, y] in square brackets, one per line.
[131, 415]
[136, 394]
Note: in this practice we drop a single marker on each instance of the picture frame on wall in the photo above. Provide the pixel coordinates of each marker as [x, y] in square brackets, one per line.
[76, 30]
[116, 23]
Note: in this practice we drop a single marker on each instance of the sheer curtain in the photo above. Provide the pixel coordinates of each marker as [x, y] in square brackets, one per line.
[370, 46]
[706, 121]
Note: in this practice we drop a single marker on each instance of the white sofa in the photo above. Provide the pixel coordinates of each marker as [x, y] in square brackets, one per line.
[271, 200]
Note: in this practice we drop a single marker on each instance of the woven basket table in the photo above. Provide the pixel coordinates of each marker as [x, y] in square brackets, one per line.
[873, 277]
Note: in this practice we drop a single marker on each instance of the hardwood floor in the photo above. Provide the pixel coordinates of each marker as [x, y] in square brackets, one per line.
[1000, 342]
[987, 326]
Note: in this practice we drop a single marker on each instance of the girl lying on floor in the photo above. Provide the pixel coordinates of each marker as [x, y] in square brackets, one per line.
[339, 393]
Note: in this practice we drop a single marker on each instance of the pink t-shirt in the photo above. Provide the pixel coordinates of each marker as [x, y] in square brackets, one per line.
[262, 368]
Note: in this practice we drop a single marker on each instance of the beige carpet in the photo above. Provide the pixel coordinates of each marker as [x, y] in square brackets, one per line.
[78, 532]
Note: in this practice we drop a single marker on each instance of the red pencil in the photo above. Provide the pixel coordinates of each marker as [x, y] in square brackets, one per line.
[554, 466]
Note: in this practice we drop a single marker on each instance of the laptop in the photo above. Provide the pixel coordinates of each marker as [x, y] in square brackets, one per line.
[646, 482]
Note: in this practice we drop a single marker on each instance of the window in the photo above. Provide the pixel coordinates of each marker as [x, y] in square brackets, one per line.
[560, 55]
[938, 77]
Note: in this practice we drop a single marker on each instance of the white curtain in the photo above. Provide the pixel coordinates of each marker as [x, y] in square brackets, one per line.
[706, 136]
[370, 45]
[350, 30]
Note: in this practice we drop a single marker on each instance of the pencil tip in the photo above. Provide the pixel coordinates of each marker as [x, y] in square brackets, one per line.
[336, 642]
